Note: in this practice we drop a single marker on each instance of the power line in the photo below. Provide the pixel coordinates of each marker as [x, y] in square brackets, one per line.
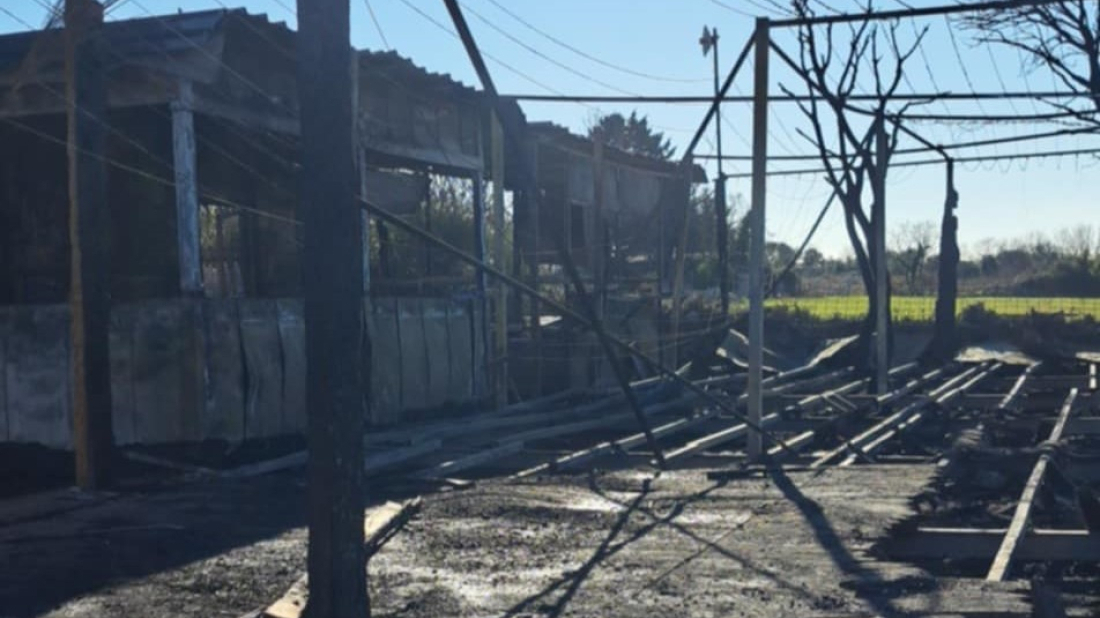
[377, 25]
[923, 162]
[536, 52]
[991, 5]
[903, 96]
[588, 56]
[740, 12]
[915, 150]
[505, 65]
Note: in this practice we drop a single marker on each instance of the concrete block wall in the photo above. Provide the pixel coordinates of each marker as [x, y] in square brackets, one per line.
[234, 370]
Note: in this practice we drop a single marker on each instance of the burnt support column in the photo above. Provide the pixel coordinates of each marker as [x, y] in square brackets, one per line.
[187, 191]
[89, 228]
[337, 347]
[756, 242]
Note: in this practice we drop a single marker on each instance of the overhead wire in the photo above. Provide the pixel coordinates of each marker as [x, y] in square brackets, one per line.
[583, 54]
[546, 57]
[377, 24]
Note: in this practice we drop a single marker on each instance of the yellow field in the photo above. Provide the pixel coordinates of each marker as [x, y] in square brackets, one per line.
[923, 307]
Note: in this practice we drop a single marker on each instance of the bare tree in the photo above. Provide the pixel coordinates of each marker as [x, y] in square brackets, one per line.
[1061, 36]
[912, 243]
[843, 134]
[1079, 244]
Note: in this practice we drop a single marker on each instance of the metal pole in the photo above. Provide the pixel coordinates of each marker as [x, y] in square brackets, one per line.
[756, 257]
[720, 206]
[878, 224]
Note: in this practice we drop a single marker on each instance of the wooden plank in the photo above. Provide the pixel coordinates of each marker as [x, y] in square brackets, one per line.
[472, 460]
[1002, 562]
[578, 458]
[983, 544]
[813, 403]
[1010, 398]
[720, 437]
[868, 448]
[596, 423]
[740, 430]
[384, 459]
[891, 421]
[263, 367]
[225, 417]
[910, 387]
[38, 380]
[278, 464]
[292, 340]
[379, 525]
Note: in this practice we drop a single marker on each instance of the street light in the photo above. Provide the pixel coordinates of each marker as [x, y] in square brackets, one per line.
[709, 41]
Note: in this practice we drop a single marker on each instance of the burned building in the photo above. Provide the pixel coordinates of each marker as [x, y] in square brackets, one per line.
[202, 158]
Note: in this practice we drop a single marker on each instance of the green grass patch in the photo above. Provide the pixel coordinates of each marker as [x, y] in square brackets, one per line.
[918, 308]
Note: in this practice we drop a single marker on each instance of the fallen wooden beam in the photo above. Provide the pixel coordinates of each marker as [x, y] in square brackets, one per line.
[891, 421]
[1010, 400]
[286, 462]
[168, 464]
[1022, 517]
[814, 403]
[388, 458]
[466, 462]
[596, 423]
[983, 544]
[868, 449]
[379, 526]
[718, 438]
[919, 382]
[578, 458]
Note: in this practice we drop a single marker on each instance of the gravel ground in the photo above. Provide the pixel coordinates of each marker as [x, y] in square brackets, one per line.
[623, 543]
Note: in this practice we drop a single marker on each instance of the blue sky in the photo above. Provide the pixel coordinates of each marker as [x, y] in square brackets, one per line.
[659, 38]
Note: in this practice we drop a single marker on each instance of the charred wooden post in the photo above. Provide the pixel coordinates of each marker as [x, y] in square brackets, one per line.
[477, 180]
[187, 191]
[881, 361]
[89, 227]
[332, 263]
[945, 338]
[360, 167]
[500, 328]
[756, 268]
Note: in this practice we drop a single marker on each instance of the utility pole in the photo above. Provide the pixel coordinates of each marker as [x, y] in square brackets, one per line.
[756, 241]
[709, 41]
[336, 344]
[89, 231]
[878, 225]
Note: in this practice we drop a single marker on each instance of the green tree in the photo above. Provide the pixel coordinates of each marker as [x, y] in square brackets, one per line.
[631, 134]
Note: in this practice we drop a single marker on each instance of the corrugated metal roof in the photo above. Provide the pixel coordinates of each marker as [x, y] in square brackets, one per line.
[146, 35]
[173, 32]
